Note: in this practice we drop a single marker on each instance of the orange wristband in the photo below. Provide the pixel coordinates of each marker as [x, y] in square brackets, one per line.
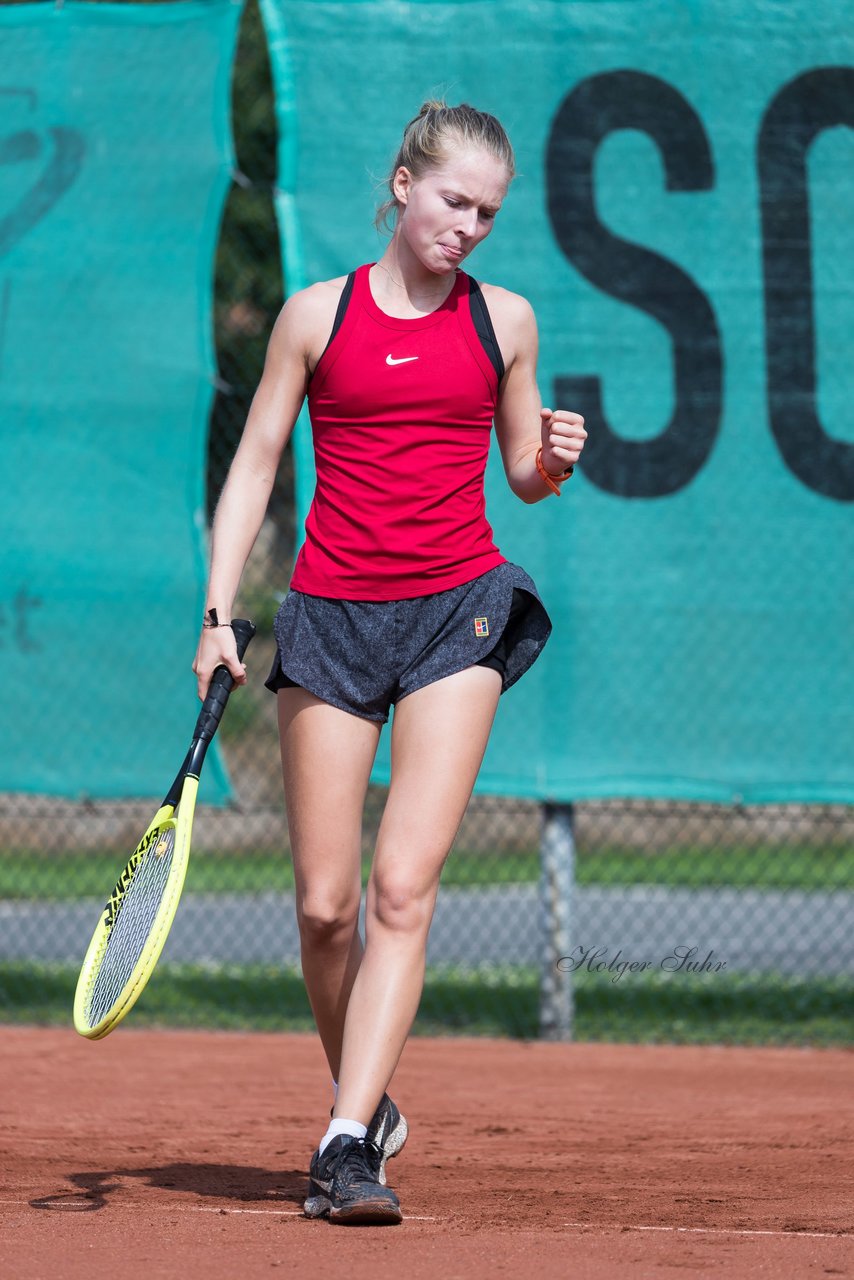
[553, 482]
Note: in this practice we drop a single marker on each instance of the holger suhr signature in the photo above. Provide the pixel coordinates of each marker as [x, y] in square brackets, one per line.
[682, 959]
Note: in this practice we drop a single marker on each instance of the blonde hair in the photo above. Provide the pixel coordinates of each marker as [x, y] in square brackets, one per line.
[428, 138]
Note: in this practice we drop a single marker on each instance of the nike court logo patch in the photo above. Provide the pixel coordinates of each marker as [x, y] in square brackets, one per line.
[403, 360]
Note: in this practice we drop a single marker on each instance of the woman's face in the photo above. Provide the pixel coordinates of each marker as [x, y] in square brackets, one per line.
[446, 212]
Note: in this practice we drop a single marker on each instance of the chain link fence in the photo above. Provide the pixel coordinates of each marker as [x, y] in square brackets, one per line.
[635, 920]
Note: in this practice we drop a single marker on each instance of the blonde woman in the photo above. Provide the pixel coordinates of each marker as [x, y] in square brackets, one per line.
[399, 597]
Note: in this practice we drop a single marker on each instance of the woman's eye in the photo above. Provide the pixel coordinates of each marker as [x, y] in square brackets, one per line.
[454, 204]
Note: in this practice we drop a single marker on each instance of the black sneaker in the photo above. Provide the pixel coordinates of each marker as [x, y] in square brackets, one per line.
[388, 1130]
[320, 1174]
[344, 1184]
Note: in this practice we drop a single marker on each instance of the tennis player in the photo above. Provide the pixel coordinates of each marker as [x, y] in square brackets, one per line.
[399, 596]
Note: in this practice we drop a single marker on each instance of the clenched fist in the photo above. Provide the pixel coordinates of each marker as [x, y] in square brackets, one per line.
[563, 437]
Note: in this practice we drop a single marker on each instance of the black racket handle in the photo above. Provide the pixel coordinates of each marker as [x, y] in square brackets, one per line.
[221, 685]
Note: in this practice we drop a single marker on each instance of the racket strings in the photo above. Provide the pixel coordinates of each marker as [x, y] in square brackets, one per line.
[132, 923]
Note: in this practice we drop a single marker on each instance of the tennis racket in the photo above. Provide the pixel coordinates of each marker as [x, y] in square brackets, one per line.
[136, 921]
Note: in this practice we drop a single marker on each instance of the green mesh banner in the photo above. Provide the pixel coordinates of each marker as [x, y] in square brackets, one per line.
[114, 162]
[682, 223]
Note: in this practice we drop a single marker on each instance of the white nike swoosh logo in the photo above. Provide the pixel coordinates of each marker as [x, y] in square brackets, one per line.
[379, 1136]
[403, 360]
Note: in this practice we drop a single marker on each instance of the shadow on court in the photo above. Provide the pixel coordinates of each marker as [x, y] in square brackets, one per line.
[220, 1181]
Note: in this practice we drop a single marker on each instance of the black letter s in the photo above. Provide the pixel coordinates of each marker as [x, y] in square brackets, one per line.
[596, 107]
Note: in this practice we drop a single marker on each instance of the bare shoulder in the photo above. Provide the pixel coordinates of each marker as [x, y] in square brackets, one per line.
[320, 296]
[513, 320]
[312, 305]
[504, 302]
[305, 321]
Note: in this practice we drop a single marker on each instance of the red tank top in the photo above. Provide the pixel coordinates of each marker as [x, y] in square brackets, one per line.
[401, 414]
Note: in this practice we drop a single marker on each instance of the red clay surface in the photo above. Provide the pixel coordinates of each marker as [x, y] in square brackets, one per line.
[155, 1154]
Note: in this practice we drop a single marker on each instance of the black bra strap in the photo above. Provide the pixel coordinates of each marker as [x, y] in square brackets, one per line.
[483, 327]
[343, 303]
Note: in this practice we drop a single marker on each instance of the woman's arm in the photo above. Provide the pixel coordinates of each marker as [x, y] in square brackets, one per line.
[243, 502]
[522, 425]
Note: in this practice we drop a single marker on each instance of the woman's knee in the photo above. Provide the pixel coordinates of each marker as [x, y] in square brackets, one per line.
[398, 904]
[327, 919]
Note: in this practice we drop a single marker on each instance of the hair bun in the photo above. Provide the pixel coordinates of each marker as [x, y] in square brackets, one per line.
[432, 104]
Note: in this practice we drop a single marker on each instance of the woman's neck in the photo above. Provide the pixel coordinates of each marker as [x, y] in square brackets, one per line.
[404, 286]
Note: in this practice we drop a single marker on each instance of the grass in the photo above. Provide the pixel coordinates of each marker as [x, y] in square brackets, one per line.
[745, 866]
[641, 1008]
[84, 874]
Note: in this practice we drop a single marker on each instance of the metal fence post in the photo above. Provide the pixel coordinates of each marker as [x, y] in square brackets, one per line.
[557, 876]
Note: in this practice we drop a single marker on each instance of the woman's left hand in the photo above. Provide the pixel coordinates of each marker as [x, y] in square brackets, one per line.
[563, 438]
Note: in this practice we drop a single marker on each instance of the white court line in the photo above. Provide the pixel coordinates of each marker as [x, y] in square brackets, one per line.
[287, 1213]
[720, 1231]
[594, 1226]
[73, 1200]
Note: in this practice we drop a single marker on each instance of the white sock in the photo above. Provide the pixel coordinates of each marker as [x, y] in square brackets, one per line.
[336, 1127]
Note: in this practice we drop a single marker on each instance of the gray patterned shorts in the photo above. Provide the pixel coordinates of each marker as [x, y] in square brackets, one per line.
[364, 655]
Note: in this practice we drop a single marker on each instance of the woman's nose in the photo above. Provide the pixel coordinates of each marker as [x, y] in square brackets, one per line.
[467, 222]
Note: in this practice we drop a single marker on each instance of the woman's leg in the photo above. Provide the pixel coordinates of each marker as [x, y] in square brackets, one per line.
[327, 756]
[439, 735]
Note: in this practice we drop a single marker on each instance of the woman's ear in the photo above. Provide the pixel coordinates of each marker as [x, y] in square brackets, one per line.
[402, 184]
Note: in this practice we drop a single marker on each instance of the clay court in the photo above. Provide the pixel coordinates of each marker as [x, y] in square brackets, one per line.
[185, 1154]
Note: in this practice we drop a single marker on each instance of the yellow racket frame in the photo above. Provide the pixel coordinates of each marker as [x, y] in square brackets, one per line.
[133, 988]
[180, 799]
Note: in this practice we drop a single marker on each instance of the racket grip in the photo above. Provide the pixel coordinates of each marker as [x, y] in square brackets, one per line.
[221, 685]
